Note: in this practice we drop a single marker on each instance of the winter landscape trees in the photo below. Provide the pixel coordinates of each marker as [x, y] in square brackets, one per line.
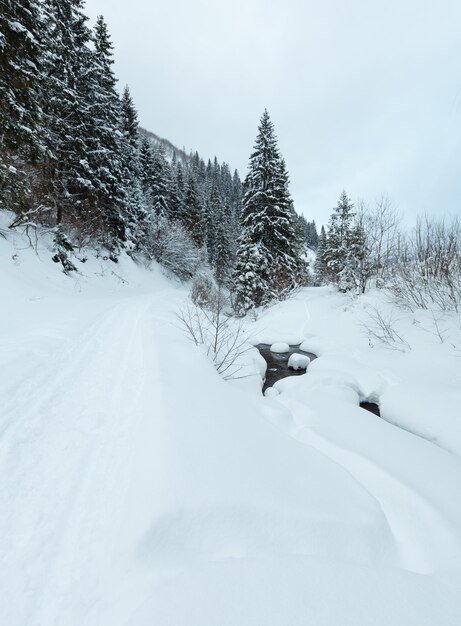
[73, 159]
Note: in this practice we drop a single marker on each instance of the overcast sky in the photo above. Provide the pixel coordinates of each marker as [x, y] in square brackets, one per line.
[364, 94]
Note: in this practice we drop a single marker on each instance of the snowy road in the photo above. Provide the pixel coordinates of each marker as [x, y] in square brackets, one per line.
[137, 488]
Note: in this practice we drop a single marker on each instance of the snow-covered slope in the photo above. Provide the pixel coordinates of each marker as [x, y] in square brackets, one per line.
[138, 488]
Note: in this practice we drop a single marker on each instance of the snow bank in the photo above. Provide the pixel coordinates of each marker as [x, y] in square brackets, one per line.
[434, 417]
[132, 493]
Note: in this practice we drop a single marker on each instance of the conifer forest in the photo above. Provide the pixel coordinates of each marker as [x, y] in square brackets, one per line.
[230, 374]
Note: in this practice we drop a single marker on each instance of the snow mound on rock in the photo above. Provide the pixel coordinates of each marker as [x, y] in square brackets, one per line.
[298, 361]
[280, 347]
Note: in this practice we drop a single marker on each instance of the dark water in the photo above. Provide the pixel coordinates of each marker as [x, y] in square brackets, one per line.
[277, 368]
[372, 407]
[277, 364]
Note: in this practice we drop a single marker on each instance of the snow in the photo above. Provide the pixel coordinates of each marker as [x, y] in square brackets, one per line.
[138, 488]
[298, 361]
[280, 347]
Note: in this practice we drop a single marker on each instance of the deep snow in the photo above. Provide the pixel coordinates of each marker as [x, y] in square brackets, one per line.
[138, 488]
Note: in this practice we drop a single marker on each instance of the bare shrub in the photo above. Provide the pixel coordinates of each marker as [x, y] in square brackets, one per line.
[428, 272]
[380, 226]
[382, 329]
[170, 244]
[220, 337]
[205, 291]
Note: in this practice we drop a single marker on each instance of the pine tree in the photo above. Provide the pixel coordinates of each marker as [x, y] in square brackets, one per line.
[161, 183]
[129, 119]
[68, 63]
[136, 201]
[193, 218]
[289, 269]
[320, 266]
[21, 95]
[269, 227]
[223, 250]
[146, 166]
[250, 284]
[105, 150]
[339, 231]
[179, 190]
[356, 269]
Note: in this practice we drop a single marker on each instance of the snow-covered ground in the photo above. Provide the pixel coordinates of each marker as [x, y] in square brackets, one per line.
[138, 488]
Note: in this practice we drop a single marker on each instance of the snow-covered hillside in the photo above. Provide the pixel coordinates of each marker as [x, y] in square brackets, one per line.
[138, 488]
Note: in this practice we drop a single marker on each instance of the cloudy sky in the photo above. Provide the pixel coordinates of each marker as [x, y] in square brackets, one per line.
[364, 94]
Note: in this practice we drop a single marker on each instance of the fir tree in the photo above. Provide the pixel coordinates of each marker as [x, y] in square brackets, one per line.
[250, 285]
[146, 166]
[319, 267]
[193, 218]
[21, 94]
[67, 64]
[179, 190]
[105, 150]
[223, 250]
[269, 232]
[129, 119]
[356, 270]
[136, 200]
[339, 231]
[161, 183]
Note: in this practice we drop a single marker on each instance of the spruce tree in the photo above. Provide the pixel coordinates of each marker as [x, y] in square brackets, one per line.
[136, 201]
[356, 269]
[319, 267]
[250, 284]
[161, 183]
[179, 190]
[105, 150]
[68, 64]
[146, 166]
[339, 231]
[129, 121]
[223, 249]
[193, 217]
[21, 95]
[269, 227]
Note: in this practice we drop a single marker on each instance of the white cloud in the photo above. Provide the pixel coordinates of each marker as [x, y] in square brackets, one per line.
[364, 94]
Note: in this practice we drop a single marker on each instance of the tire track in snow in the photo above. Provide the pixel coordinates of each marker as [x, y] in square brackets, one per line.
[46, 495]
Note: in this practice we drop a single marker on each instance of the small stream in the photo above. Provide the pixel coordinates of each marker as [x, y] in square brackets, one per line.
[277, 368]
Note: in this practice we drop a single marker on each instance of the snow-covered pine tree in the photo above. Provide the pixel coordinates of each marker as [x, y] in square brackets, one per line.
[287, 247]
[67, 63]
[339, 231]
[223, 249]
[309, 233]
[161, 183]
[146, 166]
[21, 95]
[356, 269]
[178, 192]
[249, 278]
[136, 203]
[269, 231]
[129, 120]
[105, 143]
[211, 210]
[319, 266]
[193, 218]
